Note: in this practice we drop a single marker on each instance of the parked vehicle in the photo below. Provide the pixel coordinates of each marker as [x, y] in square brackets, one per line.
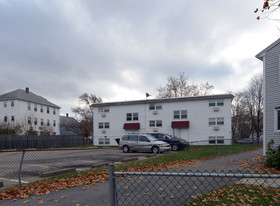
[175, 143]
[143, 143]
[245, 141]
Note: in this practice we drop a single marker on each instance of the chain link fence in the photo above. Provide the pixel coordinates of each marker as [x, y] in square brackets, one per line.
[193, 188]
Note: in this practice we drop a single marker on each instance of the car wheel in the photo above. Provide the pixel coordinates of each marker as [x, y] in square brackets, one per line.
[125, 149]
[155, 149]
[174, 147]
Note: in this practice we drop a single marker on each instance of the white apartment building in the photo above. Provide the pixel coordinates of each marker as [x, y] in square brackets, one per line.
[196, 118]
[34, 113]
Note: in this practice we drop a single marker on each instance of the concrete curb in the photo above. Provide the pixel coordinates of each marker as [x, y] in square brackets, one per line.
[58, 172]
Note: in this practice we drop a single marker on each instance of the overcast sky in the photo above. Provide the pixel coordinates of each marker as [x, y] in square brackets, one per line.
[121, 49]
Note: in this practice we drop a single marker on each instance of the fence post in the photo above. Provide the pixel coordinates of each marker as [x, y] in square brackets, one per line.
[112, 184]
[20, 166]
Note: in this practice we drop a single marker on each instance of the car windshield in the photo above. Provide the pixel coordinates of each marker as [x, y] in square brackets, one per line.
[169, 136]
[152, 138]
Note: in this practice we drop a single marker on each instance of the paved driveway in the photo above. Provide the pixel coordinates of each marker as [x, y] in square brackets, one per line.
[36, 163]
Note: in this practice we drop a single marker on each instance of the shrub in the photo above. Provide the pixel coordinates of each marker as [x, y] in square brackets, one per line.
[272, 156]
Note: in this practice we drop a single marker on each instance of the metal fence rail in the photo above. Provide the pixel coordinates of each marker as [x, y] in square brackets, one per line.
[193, 188]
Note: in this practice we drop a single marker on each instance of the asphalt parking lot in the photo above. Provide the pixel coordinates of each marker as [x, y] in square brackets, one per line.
[36, 163]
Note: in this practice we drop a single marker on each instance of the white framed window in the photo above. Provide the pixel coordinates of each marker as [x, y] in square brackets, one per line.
[35, 121]
[28, 106]
[154, 106]
[180, 114]
[132, 116]
[102, 125]
[48, 110]
[35, 107]
[107, 140]
[5, 119]
[48, 122]
[212, 140]
[42, 109]
[155, 123]
[101, 140]
[12, 103]
[13, 118]
[5, 104]
[54, 123]
[29, 120]
[54, 111]
[216, 140]
[216, 121]
[220, 121]
[212, 121]
[42, 122]
[216, 102]
[103, 109]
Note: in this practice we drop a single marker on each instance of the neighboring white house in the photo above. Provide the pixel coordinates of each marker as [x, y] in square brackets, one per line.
[191, 118]
[32, 112]
[271, 75]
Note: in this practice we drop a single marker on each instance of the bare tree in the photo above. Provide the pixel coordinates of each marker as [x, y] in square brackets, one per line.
[180, 87]
[267, 10]
[84, 112]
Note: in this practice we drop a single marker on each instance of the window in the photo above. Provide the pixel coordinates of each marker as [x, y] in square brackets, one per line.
[12, 103]
[13, 118]
[5, 104]
[131, 116]
[48, 122]
[216, 121]
[212, 140]
[155, 106]
[35, 107]
[42, 122]
[42, 109]
[103, 109]
[48, 110]
[214, 102]
[143, 139]
[180, 114]
[277, 118]
[220, 140]
[102, 125]
[155, 123]
[212, 121]
[35, 121]
[101, 140]
[220, 102]
[29, 106]
[220, 121]
[107, 140]
[54, 123]
[54, 111]
[5, 118]
[29, 120]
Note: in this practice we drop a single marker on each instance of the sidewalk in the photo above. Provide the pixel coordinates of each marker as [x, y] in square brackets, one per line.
[99, 194]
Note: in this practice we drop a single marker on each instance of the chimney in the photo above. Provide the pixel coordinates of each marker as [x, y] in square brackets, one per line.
[66, 114]
[27, 90]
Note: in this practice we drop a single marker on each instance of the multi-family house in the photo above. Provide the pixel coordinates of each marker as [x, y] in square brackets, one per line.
[270, 57]
[205, 119]
[35, 114]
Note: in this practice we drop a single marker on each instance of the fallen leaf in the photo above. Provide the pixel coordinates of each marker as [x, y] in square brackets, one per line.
[40, 202]
[26, 201]
[63, 197]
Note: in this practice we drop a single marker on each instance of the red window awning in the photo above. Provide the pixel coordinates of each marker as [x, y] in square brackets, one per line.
[180, 124]
[131, 126]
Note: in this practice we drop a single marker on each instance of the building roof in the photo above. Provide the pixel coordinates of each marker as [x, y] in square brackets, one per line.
[261, 54]
[165, 100]
[26, 95]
